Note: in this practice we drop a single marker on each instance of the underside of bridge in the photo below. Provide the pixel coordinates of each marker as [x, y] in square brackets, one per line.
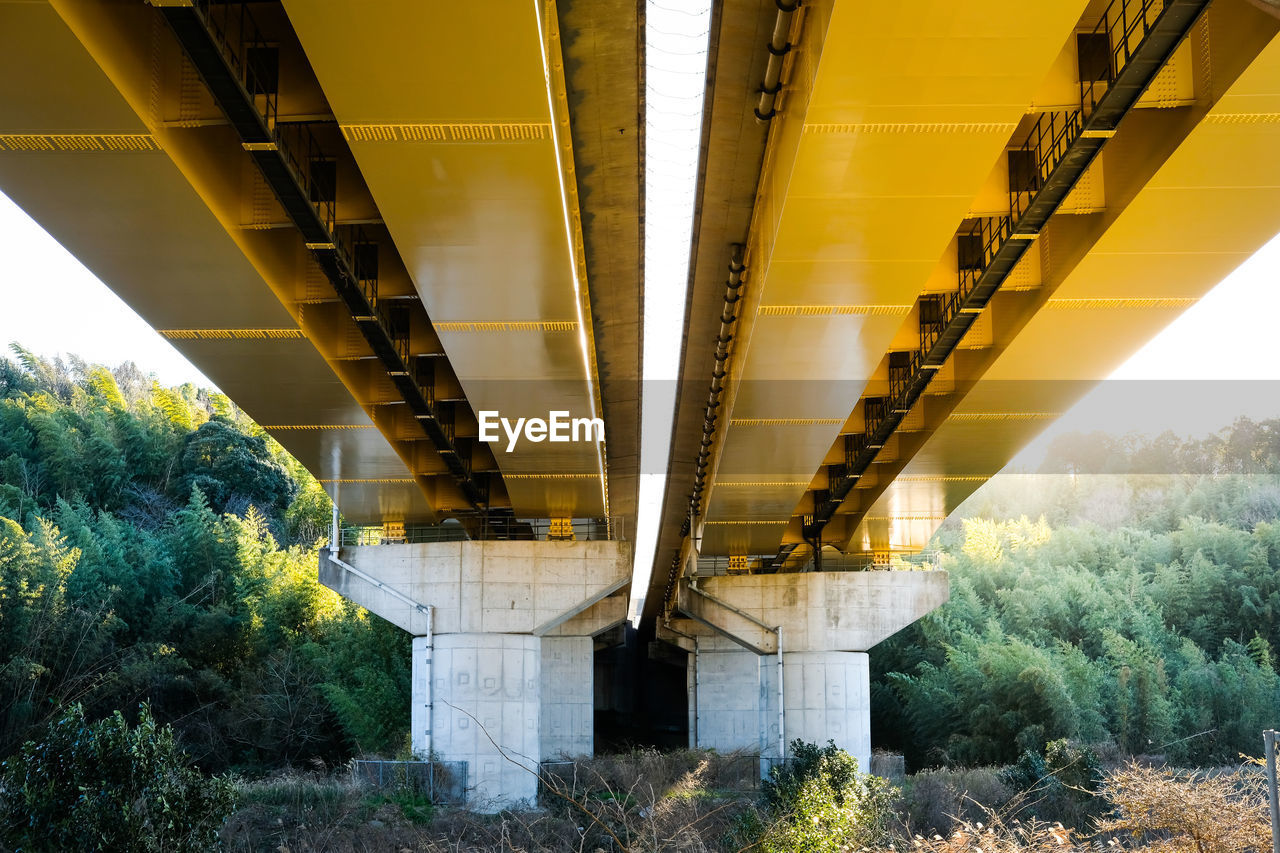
[921, 232]
[959, 220]
[939, 229]
[363, 242]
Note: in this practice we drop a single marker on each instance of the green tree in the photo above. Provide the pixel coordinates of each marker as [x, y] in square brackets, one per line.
[110, 786]
[224, 462]
[819, 801]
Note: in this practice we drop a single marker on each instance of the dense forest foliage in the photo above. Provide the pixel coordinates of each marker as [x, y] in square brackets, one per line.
[1127, 595]
[157, 546]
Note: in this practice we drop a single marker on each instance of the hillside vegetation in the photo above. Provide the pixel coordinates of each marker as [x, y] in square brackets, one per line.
[155, 545]
[1128, 596]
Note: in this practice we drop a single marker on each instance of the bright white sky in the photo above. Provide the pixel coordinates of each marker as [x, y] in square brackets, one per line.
[51, 304]
[1214, 363]
[676, 40]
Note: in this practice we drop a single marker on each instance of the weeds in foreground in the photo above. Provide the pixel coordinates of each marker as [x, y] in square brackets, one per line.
[1169, 810]
[695, 802]
[1149, 809]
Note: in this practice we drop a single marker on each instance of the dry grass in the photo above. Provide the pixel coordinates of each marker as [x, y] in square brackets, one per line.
[942, 800]
[1172, 811]
[688, 802]
[694, 802]
[999, 837]
[1152, 809]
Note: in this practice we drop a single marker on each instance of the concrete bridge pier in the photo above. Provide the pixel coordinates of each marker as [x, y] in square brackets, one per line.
[745, 695]
[502, 651]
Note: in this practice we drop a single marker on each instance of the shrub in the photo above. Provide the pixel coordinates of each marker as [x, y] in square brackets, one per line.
[941, 799]
[820, 802]
[109, 786]
[643, 800]
[1028, 773]
[1074, 765]
[1060, 785]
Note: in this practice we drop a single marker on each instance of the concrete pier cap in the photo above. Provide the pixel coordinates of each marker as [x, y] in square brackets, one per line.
[502, 653]
[744, 695]
[832, 611]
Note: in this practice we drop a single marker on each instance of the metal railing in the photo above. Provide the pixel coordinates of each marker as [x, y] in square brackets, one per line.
[902, 366]
[1120, 23]
[550, 529]
[1046, 144]
[933, 314]
[496, 528]
[417, 534]
[301, 151]
[919, 561]
[914, 561]
[235, 32]
[347, 241]
[219, 38]
[710, 565]
[874, 412]
[441, 782]
[989, 233]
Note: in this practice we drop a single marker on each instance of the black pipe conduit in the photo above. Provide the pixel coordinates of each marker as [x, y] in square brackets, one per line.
[779, 47]
[728, 320]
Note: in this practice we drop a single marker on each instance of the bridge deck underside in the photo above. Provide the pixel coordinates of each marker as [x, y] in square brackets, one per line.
[1179, 196]
[473, 170]
[1205, 211]
[880, 151]
[117, 148]
[144, 211]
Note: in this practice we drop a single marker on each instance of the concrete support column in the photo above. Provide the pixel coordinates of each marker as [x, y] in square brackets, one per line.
[503, 657]
[827, 697]
[488, 712]
[568, 706]
[730, 698]
[828, 622]
[501, 703]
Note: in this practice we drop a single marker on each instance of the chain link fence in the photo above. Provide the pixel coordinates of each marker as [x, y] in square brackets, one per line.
[727, 773]
[440, 782]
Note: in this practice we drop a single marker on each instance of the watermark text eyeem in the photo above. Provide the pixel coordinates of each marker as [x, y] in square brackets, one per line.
[557, 427]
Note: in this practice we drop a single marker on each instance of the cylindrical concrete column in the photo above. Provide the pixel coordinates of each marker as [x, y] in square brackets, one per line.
[828, 697]
[487, 694]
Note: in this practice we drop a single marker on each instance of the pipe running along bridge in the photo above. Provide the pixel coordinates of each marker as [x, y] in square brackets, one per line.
[921, 232]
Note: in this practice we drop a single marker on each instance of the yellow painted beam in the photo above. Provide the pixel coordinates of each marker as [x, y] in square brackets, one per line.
[472, 168]
[1205, 210]
[879, 150]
